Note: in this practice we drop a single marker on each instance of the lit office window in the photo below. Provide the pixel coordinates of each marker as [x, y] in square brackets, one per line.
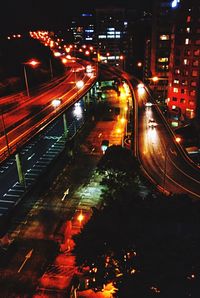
[176, 81]
[186, 62]
[102, 36]
[175, 90]
[193, 83]
[188, 19]
[194, 73]
[187, 41]
[163, 59]
[164, 37]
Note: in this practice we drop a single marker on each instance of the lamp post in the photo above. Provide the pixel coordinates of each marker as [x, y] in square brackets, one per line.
[122, 58]
[80, 217]
[56, 103]
[178, 140]
[5, 134]
[51, 69]
[155, 80]
[33, 63]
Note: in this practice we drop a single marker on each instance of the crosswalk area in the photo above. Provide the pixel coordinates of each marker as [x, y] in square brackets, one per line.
[59, 270]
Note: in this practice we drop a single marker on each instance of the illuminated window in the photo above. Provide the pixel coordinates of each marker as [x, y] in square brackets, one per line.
[177, 71]
[193, 83]
[184, 82]
[102, 36]
[188, 19]
[176, 81]
[195, 63]
[191, 102]
[194, 73]
[187, 52]
[162, 60]
[192, 92]
[186, 62]
[188, 29]
[187, 41]
[164, 37]
[196, 52]
[175, 90]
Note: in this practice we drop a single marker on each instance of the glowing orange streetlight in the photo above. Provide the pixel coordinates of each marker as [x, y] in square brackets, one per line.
[155, 79]
[33, 63]
[87, 53]
[178, 139]
[64, 60]
[80, 217]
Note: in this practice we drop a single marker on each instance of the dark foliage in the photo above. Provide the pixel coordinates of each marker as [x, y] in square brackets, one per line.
[163, 232]
[118, 159]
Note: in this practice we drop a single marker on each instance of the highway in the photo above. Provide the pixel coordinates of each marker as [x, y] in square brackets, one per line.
[25, 120]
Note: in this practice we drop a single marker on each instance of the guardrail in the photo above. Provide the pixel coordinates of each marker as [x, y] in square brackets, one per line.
[43, 123]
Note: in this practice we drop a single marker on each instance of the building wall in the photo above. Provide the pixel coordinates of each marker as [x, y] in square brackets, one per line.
[161, 47]
[112, 35]
[185, 60]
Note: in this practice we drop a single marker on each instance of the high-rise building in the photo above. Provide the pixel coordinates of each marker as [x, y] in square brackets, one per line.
[184, 92]
[160, 47]
[112, 36]
[83, 28]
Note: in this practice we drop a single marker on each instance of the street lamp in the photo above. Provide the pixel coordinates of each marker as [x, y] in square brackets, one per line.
[80, 217]
[55, 104]
[178, 140]
[33, 63]
[51, 69]
[155, 81]
[5, 134]
[122, 58]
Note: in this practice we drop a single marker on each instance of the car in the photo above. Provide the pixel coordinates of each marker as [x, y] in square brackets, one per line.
[104, 145]
[148, 104]
[151, 123]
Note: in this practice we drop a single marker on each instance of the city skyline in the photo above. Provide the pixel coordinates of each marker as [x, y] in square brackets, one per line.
[23, 15]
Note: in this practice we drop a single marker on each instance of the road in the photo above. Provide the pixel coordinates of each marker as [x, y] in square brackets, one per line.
[162, 157]
[163, 160]
[37, 225]
[24, 121]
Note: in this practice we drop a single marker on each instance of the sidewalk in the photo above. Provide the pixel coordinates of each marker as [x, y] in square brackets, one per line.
[58, 276]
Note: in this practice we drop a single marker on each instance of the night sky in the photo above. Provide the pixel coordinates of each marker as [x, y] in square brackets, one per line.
[23, 15]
